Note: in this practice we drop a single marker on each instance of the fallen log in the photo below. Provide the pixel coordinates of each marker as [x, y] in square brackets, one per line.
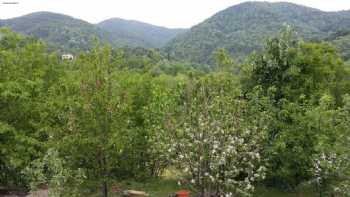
[135, 193]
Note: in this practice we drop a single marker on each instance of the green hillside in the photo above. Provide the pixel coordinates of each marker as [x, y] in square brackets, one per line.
[240, 29]
[341, 39]
[135, 33]
[64, 32]
[243, 28]
[70, 34]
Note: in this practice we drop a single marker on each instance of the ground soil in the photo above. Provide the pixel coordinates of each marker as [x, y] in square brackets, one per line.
[22, 193]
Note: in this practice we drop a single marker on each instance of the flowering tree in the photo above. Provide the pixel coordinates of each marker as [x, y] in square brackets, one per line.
[343, 185]
[331, 169]
[217, 141]
[331, 173]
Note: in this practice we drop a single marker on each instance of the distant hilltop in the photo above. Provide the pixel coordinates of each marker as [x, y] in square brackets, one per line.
[240, 29]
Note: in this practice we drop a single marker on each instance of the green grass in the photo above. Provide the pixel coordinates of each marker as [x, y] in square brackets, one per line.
[270, 192]
[155, 188]
[167, 187]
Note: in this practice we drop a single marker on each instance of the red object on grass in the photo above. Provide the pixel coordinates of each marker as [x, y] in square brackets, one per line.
[183, 193]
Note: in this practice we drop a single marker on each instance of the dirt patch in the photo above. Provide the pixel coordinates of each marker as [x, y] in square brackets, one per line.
[12, 192]
[39, 193]
[22, 193]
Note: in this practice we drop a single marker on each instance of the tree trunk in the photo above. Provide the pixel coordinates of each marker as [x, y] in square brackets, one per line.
[104, 189]
[104, 178]
[107, 130]
[103, 174]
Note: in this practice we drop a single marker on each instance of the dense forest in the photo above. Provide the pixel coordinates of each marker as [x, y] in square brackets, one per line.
[60, 31]
[241, 29]
[134, 33]
[277, 117]
[69, 34]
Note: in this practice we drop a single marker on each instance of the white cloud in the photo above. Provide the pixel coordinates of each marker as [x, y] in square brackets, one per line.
[170, 13]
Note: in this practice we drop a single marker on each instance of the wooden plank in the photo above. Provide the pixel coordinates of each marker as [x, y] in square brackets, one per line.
[136, 193]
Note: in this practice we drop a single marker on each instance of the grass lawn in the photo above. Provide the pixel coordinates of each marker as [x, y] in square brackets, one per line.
[167, 187]
[270, 192]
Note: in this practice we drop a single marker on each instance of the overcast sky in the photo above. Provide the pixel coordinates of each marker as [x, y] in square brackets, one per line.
[168, 13]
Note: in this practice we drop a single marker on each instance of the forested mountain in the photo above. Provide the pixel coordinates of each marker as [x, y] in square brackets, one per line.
[64, 32]
[240, 29]
[135, 33]
[70, 34]
[243, 28]
[341, 39]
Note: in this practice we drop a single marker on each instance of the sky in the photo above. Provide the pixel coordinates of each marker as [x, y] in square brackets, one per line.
[167, 13]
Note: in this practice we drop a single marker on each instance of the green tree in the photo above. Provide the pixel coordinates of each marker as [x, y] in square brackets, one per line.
[331, 164]
[224, 61]
[27, 72]
[297, 69]
[91, 104]
[295, 75]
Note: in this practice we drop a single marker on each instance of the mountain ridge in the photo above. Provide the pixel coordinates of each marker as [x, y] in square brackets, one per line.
[137, 33]
[64, 32]
[67, 33]
[242, 29]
